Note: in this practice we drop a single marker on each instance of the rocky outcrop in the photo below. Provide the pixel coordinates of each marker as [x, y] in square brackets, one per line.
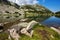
[14, 31]
[13, 34]
[58, 31]
[28, 30]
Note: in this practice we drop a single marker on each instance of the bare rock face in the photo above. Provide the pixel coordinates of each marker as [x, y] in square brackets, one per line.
[58, 31]
[31, 24]
[25, 30]
[13, 34]
[28, 30]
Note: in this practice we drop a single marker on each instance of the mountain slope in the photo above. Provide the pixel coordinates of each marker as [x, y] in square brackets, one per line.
[8, 6]
[36, 7]
[9, 10]
[13, 6]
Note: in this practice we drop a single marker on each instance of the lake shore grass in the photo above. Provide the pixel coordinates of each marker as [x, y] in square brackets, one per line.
[40, 33]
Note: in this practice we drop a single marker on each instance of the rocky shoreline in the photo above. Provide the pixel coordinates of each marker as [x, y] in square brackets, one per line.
[23, 28]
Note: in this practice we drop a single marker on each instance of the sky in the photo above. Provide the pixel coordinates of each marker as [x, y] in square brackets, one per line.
[53, 5]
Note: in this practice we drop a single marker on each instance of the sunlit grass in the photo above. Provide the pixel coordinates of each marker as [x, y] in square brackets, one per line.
[42, 33]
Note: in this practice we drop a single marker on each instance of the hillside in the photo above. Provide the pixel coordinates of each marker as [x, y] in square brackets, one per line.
[57, 14]
[10, 11]
[35, 10]
[36, 7]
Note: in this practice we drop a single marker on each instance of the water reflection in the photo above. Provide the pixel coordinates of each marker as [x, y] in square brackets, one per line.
[57, 16]
[40, 18]
[52, 21]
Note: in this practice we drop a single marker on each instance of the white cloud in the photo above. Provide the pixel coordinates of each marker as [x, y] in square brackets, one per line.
[35, 1]
[12, 0]
[23, 2]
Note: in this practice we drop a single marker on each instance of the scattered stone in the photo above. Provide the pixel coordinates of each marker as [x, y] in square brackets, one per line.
[58, 31]
[31, 24]
[13, 34]
[52, 36]
[23, 28]
[1, 24]
[23, 20]
[24, 31]
[1, 30]
[28, 30]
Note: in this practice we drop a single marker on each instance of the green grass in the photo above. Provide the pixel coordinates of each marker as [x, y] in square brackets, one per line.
[42, 33]
[3, 36]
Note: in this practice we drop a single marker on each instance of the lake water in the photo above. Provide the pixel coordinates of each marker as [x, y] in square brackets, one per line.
[52, 21]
